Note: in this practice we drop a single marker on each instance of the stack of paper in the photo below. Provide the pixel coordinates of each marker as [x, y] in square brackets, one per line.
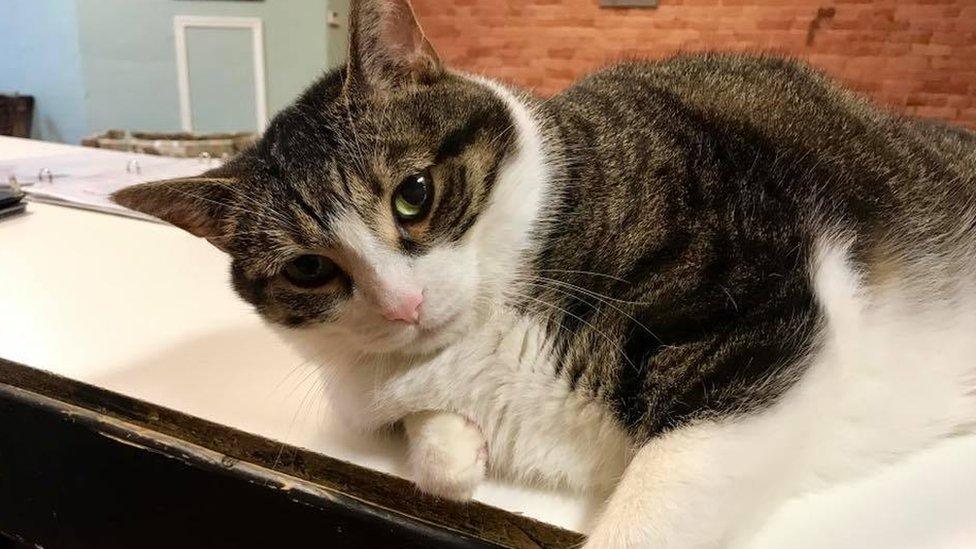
[86, 178]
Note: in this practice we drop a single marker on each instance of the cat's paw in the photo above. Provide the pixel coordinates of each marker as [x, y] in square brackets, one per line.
[448, 456]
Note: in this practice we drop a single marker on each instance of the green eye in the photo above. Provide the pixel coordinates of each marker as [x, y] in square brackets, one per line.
[411, 200]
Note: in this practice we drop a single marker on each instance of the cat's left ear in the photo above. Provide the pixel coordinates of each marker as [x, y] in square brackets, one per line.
[199, 205]
[387, 47]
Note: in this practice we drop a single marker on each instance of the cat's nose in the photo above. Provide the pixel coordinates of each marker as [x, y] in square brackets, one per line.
[406, 309]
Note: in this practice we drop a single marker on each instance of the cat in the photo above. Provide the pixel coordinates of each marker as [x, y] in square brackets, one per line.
[708, 284]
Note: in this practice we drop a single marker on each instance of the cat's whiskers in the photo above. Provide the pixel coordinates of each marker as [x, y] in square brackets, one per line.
[298, 411]
[614, 343]
[572, 271]
[303, 378]
[493, 143]
[330, 376]
[541, 281]
[290, 373]
[314, 362]
[581, 289]
[291, 424]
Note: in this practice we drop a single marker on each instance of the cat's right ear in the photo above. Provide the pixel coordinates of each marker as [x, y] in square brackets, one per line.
[387, 47]
[199, 205]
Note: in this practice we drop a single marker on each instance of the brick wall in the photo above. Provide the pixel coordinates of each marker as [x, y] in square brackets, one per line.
[918, 56]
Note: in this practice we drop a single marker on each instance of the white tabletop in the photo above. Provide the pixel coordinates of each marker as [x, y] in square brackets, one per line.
[147, 310]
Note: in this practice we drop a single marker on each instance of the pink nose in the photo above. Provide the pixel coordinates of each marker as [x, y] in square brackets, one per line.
[407, 309]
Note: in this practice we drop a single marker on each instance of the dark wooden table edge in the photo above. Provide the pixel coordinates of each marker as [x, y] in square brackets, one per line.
[304, 473]
[196, 456]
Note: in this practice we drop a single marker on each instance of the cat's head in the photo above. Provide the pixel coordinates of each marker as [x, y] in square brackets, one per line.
[382, 208]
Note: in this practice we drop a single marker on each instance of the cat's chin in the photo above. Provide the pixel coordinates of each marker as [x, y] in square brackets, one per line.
[421, 339]
[436, 338]
[317, 340]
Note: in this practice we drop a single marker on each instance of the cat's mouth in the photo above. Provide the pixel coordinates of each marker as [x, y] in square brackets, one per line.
[383, 337]
[440, 324]
[428, 337]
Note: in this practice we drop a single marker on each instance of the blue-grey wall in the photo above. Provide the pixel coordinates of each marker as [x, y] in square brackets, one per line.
[130, 65]
[39, 56]
[100, 64]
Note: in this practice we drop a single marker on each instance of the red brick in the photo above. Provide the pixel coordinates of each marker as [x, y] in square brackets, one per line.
[917, 56]
[927, 99]
[968, 117]
[960, 101]
[944, 86]
[945, 113]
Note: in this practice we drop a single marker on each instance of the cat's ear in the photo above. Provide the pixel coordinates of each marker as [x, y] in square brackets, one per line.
[199, 205]
[387, 47]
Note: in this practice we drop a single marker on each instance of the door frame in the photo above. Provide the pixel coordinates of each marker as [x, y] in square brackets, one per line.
[183, 22]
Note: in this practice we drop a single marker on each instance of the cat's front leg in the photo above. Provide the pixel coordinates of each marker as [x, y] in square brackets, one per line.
[447, 454]
[702, 486]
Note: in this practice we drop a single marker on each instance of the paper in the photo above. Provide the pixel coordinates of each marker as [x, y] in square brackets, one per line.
[86, 178]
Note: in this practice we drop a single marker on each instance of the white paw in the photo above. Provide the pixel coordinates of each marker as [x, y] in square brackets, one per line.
[448, 456]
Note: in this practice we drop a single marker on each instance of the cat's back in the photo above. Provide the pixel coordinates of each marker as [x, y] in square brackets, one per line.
[760, 90]
[842, 151]
[779, 97]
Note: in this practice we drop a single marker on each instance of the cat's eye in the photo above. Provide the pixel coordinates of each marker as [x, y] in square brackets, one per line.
[310, 271]
[412, 197]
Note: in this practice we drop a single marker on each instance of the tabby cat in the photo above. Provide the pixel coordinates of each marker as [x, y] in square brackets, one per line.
[709, 283]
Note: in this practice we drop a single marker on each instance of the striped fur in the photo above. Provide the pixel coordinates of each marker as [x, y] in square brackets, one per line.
[665, 265]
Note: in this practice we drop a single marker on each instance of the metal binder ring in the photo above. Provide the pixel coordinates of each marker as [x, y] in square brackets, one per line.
[45, 173]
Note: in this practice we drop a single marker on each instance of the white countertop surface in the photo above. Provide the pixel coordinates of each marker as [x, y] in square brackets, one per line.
[147, 310]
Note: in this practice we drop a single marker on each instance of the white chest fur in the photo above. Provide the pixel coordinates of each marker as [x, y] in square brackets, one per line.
[500, 376]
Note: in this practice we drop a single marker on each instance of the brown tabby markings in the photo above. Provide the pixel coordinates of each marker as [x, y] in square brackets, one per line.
[672, 270]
